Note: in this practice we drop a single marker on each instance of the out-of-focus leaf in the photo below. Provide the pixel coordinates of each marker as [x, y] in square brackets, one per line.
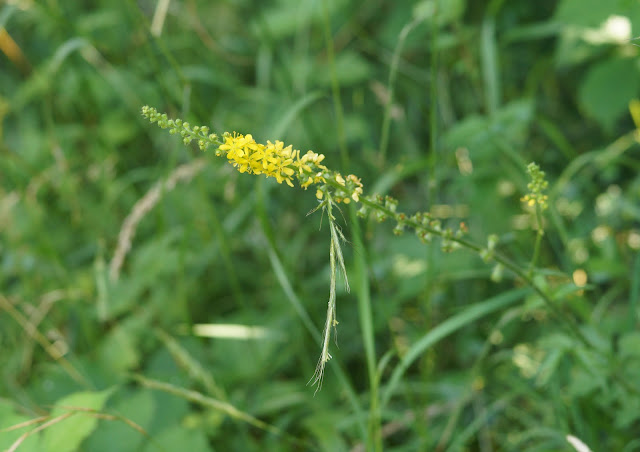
[66, 435]
[606, 90]
[138, 407]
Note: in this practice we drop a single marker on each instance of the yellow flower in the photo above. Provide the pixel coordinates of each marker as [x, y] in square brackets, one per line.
[277, 161]
[274, 160]
[306, 183]
[357, 184]
[241, 150]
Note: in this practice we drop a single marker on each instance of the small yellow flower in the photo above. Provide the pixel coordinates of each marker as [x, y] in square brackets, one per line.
[240, 149]
[277, 162]
[283, 162]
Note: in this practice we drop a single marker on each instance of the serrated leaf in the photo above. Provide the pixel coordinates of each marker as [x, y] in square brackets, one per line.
[66, 435]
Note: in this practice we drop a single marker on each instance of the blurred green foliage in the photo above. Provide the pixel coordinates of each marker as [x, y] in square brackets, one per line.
[439, 103]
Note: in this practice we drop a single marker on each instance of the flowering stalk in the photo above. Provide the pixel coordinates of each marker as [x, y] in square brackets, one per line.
[272, 160]
[287, 165]
[538, 201]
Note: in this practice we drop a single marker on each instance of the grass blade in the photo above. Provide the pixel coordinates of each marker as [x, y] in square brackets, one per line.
[446, 328]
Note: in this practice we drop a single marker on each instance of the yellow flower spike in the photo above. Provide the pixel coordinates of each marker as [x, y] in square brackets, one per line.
[273, 159]
[283, 163]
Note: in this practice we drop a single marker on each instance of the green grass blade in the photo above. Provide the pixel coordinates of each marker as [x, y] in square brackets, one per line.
[224, 407]
[634, 295]
[446, 328]
[293, 113]
[368, 335]
[490, 64]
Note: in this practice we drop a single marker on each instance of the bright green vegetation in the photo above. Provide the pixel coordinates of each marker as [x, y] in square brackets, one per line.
[153, 298]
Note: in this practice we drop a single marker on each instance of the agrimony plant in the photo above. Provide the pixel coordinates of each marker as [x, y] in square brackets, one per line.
[288, 165]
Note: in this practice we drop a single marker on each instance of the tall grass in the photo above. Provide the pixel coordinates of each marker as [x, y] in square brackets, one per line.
[153, 298]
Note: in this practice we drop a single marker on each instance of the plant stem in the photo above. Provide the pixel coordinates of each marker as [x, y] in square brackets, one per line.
[496, 256]
[539, 235]
[368, 336]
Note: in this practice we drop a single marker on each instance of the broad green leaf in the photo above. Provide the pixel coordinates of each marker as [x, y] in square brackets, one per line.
[66, 435]
[178, 438]
[137, 406]
[607, 89]
[8, 419]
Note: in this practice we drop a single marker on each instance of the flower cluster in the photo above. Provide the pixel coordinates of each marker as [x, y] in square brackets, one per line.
[272, 159]
[536, 187]
[352, 189]
[183, 128]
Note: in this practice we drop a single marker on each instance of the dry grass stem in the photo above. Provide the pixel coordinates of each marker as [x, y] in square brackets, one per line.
[184, 173]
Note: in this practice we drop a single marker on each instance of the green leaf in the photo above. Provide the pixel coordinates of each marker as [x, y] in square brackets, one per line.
[66, 435]
[479, 134]
[118, 351]
[8, 419]
[136, 406]
[607, 89]
[443, 13]
[351, 68]
[179, 438]
[586, 13]
[629, 345]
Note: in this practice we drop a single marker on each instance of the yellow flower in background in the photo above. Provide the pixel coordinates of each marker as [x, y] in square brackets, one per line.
[536, 186]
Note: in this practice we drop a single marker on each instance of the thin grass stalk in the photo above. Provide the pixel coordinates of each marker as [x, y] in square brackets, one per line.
[393, 71]
[224, 407]
[539, 235]
[294, 300]
[335, 86]
[365, 316]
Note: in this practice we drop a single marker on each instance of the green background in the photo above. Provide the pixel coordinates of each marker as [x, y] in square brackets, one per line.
[440, 104]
